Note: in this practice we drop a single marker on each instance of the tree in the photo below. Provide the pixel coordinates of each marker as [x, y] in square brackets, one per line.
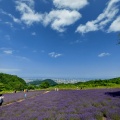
[31, 87]
[12, 82]
[1, 87]
[45, 84]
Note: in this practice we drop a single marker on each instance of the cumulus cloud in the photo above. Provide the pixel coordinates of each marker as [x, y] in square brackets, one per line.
[58, 19]
[115, 26]
[66, 14]
[90, 26]
[61, 18]
[54, 55]
[28, 15]
[71, 4]
[103, 54]
[102, 20]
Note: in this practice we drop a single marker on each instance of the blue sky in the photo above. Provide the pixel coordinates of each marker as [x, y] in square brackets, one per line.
[60, 38]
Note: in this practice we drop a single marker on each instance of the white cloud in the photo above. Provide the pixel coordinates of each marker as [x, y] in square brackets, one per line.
[9, 23]
[29, 2]
[61, 18]
[103, 54]
[66, 14]
[28, 15]
[102, 20]
[9, 52]
[71, 4]
[115, 26]
[54, 55]
[30, 18]
[11, 16]
[33, 33]
[57, 19]
[90, 26]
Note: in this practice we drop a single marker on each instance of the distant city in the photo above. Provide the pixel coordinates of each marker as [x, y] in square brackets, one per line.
[61, 80]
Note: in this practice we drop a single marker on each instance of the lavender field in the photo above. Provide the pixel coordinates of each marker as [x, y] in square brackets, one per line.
[103, 104]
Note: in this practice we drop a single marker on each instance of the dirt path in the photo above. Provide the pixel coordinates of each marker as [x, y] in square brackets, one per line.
[46, 92]
[24, 99]
[104, 118]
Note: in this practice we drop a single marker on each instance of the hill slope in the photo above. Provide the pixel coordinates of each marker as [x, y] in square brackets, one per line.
[11, 82]
[38, 82]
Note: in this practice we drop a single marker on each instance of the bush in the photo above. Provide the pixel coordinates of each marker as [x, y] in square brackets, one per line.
[45, 84]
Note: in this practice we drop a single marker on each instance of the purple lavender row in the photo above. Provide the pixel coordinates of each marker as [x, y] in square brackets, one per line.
[13, 97]
[67, 105]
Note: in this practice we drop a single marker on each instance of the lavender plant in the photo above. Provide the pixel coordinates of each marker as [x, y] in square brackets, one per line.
[64, 105]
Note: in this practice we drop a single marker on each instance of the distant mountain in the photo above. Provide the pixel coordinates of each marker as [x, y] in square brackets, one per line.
[34, 82]
[38, 82]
